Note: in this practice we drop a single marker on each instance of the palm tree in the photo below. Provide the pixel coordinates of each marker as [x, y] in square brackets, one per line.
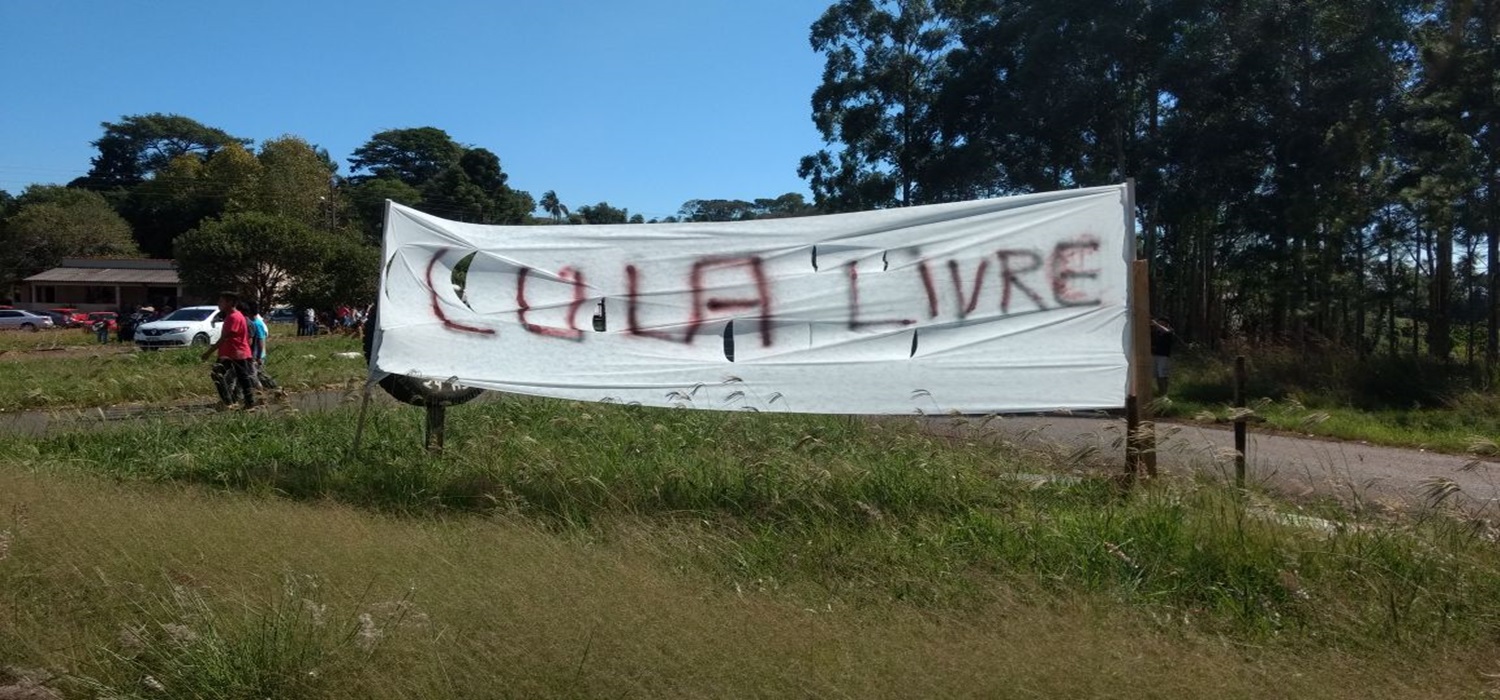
[552, 205]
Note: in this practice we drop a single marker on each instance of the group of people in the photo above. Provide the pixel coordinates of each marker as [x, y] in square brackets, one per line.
[241, 351]
[126, 321]
[344, 318]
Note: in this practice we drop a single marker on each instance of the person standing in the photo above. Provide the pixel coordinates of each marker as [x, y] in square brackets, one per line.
[1161, 352]
[259, 333]
[233, 349]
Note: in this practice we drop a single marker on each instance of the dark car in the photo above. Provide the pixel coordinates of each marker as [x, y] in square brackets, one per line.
[59, 320]
[72, 318]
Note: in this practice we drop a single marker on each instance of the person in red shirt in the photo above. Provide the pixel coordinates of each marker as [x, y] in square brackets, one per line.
[234, 352]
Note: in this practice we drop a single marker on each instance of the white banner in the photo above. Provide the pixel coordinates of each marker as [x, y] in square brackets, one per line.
[1011, 304]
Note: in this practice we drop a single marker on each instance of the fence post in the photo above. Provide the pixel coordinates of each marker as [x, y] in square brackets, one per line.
[437, 417]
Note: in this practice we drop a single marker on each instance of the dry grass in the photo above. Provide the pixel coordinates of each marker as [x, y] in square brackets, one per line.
[497, 607]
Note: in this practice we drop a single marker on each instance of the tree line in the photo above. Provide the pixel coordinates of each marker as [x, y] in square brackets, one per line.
[279, 223]
[1312, 174]
[1321, 175]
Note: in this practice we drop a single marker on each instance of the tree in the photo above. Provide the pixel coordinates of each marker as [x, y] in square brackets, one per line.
[883, 63]
[454, 182]
[367, 199]
[175, 199]
[476, 190]
[349, 273]
[789, 204]
[258, 255]
[149, 167]
[295, 182]
[602, 213]
[1455, 116]
[716, 210]
[137, 146]
[413, 156]
[51, 223]
[553, 206]
[230, 182]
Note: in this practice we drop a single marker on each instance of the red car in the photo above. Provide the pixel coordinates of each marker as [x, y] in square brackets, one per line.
[74, 317]
[110, 318]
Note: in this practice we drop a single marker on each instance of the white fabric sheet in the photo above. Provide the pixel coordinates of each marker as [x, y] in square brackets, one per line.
[1010, 304]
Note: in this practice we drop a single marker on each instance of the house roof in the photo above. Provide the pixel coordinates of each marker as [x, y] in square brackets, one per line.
[106, 276]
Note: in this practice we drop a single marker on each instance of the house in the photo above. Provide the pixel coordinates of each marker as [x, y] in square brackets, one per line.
[104, 284]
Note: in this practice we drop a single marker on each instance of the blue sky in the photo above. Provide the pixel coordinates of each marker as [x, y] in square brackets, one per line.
[643, 104]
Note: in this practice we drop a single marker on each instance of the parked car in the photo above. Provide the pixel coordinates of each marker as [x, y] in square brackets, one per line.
[191, 325]
[111, 320]
[59, 320]
[282, 314]
[72, 318]
[23, 320]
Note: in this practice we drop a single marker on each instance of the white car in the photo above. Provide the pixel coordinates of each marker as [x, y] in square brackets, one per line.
[191, 325]
[23, 320]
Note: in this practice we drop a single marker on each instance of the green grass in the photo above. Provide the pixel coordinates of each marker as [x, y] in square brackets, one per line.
[37, 381]
[145, 591]
[21, 341]
[1401, 403]
[559, 549]
[829, 511]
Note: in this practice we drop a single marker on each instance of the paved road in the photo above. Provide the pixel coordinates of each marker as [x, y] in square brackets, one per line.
[1297, 465]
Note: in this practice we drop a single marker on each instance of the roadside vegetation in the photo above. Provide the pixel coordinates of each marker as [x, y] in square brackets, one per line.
[1398, 403]
[1401, 402]
[12, 341]
[560, 548]
[82, 377]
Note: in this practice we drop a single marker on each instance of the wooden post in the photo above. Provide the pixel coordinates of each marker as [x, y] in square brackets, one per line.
[359, 427]
[1142, 376]
[437, 418]
[1239, 421]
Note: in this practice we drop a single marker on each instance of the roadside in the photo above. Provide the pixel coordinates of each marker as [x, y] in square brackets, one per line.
[1353, 472]
[1298, 466]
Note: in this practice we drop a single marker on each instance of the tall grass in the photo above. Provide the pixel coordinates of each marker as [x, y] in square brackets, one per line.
[832, 511]
[187, 644]
[54, 339]
[505, 606]
[1392, 401]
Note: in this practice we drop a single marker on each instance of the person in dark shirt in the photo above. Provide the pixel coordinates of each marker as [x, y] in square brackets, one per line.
[234, 353]
[1161, 352]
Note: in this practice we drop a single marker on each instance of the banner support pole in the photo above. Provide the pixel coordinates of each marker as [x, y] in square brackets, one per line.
[364, 409]
[1140, 452]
